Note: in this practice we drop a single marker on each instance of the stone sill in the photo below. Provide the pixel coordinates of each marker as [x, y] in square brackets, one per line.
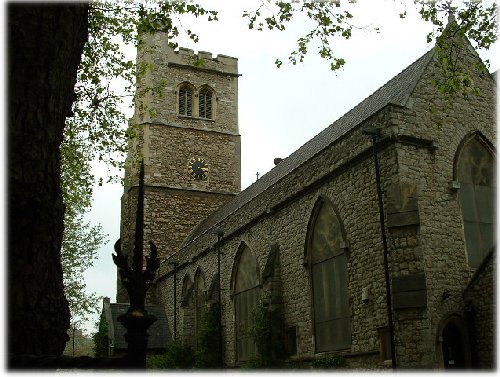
[195, 118]
[344, 353]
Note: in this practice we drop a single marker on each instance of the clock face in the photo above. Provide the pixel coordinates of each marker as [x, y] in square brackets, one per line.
[198, 168]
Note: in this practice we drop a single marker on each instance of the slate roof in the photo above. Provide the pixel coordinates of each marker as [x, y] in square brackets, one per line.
[396, 91]
[159, 335]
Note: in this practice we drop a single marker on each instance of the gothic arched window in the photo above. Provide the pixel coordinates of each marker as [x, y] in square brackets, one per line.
[199, 301]
[246, 298]
[186, 100]
[475, 171]
[328, 267]
[205, 103]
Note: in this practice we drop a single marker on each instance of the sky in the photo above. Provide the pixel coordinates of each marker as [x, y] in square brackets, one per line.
[281, 109]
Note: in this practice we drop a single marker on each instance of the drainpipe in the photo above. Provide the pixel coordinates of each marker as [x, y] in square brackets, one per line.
[375, 134]
[219, 234]
[175, 264]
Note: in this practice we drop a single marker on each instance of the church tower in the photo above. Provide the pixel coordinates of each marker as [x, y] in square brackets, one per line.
[186, 122]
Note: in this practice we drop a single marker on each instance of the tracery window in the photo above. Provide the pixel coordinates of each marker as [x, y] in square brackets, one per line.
[475, 172]
[328, 269]
[186, 100]
[205, 103]
[246, 298]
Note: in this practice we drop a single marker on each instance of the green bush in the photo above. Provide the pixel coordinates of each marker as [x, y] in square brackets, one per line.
[177, 356]
[208, 353]
[268, 333]
[255, 363]
[100, 338]
[329, 362]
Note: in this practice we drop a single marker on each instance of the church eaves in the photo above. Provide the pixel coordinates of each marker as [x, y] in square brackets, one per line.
[396, 92]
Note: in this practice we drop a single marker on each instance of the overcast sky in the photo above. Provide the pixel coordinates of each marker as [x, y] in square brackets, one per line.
[281, 109]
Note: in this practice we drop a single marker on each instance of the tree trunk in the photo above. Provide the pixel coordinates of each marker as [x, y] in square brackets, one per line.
[45, 44]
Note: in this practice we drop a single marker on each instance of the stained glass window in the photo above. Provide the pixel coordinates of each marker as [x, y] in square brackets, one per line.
[475, 172]
[246, 298]
[332, 317]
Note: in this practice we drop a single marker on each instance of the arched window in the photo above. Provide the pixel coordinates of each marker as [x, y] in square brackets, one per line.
[328, 267]
[205, 103]
[186, 100]
[246, 298]
[199, 301]
[475, 171]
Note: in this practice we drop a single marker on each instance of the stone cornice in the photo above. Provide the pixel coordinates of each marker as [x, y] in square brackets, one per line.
[208, 70]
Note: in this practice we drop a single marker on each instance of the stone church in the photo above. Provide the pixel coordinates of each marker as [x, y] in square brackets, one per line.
[409, 283]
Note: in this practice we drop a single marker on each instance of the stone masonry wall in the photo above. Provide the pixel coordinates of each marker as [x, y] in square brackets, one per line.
[439, 249]
[171, 214]
[426, 242]
[175, 201]
[169, 149]
[168, 69]
[281, 216]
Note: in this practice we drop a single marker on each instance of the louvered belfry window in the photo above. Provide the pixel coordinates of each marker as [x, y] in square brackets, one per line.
[246, 299]
[328, 261]
[186, 100]
[476, 174]
[205, 103]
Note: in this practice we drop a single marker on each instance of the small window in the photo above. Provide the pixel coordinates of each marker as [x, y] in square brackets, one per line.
[186, 100]
[205, 108]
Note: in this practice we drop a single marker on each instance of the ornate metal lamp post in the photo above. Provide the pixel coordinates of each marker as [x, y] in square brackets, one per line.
[137, 281]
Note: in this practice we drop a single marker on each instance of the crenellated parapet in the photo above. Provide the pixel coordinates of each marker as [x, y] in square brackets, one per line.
[157, 45]
[204, 60]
